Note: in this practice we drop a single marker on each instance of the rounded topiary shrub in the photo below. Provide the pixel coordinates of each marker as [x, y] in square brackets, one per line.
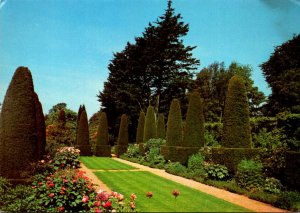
[83, 143]
[103, 148]
[122, 143]
[236, 128]
[18, 143]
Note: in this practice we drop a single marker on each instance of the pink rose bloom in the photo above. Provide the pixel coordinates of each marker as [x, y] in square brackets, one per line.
[133, 196]
[85, 199]
[51, 195]
[132, 205]
[120, 197]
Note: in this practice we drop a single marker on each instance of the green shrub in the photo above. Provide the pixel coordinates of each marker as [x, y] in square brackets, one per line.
[236, 128]
[20, 199]
[122, 142]
[289, 200]
[176, 169]
[272, 185]
[268, 140]
[103, 148]
[194, 125]
[41, 128]
[215, 129]
[217, 171]
[154, 143]
[196, 162]
[66, 157]
[249, 175]
[132, 151]
[210, 139]
[4, 186]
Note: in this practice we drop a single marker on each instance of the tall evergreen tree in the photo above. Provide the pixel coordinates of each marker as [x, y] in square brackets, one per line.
[158, 67]
[103, 148]
[140, 128]
[41, 128]
[236, 127]
[18, 130]
[282, 72]
[80, 110]
[83, 135]
[122, 143]
[150, 124]
[161, 126]
[194, 127]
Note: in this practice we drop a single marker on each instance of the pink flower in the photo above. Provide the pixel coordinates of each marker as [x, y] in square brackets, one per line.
[102, 196]
[51, 195]
[98, 210]
[107, 205]
[97, 203]
[133, 196]
[50, 184]
[85, 199]
[120, 197]
[114, 194]
[65, 181]
[74, 181]
[132, 205]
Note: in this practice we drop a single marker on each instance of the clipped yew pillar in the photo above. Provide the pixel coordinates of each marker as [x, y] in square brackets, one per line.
[149, 128]
[103, 148]
[18, 143]
[122, 143]
[41, 128]
[161, 126]
[83, 143]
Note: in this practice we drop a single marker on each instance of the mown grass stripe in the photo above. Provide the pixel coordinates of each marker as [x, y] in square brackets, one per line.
[140, 183]
[102, 163]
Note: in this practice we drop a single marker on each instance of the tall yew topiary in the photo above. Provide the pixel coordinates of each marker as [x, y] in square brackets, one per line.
[236, 127]
[140, 128]
[80, 110]
[194, 126]
[18, 126]
[161, 126]
[40, 127]
[103, 148]
[83, 135]
[122, 143]
[150, 124]
[173, 149]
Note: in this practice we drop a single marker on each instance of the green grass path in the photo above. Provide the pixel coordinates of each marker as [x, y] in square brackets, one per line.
[141, 182]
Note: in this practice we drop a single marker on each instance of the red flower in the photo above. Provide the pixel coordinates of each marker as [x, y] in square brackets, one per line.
[51, 195]
[149, 194]
[97, 210]
[176, 193]
[107, 205]
[133, 196]
[62, 165]
[61, 209]
[50, 184]
[74, 181]
[40, 183]
[85, 199]
[97, 203]
[66, 181]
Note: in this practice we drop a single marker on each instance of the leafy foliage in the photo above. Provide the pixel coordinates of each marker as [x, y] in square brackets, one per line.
[282, 73]
[217, 171]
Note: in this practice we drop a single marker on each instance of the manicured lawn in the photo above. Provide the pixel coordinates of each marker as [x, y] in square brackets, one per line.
[141, 182]
[103, 163]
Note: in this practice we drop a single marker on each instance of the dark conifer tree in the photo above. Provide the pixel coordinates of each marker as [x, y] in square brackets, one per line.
[122, 143]
[83, 135]
[140, 128]
[103, 148]
[18, 130]
[194, 127]
[236, 127]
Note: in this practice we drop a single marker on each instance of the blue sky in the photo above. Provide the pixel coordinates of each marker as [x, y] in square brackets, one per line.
[68, 44]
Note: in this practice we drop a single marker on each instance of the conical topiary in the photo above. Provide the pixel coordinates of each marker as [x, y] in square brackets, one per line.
[150, 124]
[194, 126]
[174, 126]
[103, 148]
[81, 108]
[18, 125]
[236, 127]
[41, 128]
[140, 128]
[122, 143]
[83, 135]
[161, 126]
[173, 150]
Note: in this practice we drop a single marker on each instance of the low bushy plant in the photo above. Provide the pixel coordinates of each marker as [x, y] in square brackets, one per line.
[4, 186]
[210, 139]
[66, 157]
[196, 162]
[217, 171]
[176, 168]
[249, 175]
[289, 200]
[154, 143]
[132, 151]
[273, 185]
